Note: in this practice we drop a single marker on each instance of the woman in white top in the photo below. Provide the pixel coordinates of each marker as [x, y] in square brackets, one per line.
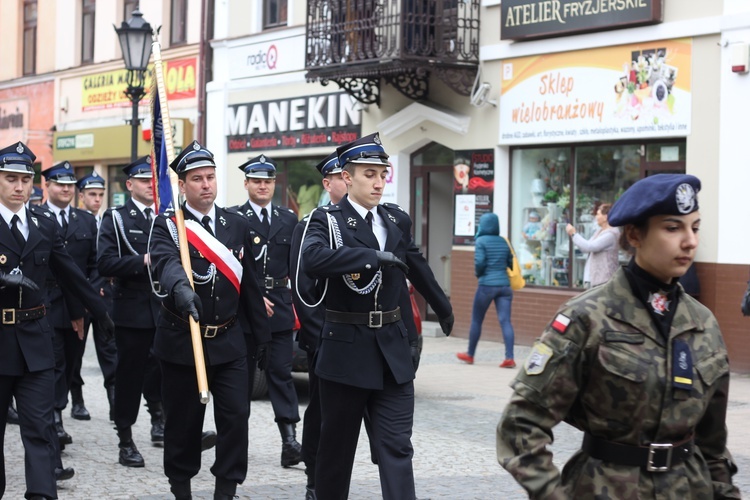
[602, 248]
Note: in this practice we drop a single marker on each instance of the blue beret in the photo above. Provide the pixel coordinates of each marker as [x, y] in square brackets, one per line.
[260, 167]
[93, 180]
[367, 149]
[36, 194]
[192, 157]
[660, 194]
[17, 158]
[139, 169]
[330, 165]
[62, 173]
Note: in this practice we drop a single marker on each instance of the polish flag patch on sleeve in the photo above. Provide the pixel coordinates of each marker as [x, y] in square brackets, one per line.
[560, 323]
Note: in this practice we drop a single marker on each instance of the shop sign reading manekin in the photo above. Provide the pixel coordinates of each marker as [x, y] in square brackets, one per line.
[326, 120]
[625, 92]
[529, 19]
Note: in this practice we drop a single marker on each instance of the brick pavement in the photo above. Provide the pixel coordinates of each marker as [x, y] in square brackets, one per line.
[457, 409]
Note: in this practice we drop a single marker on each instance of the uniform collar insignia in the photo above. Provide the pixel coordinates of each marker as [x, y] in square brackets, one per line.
[132, 213]
[393, 219]
[249, 213]
[73, 214]
[659, 302]
[275, 212]
[36, 222]
[47, 214]
[222, 220]
[351, 222]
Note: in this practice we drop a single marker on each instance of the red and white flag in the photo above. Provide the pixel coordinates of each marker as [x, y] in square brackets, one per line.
[216, 253]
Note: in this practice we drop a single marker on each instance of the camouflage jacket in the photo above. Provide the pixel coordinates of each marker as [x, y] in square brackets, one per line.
[603, 367]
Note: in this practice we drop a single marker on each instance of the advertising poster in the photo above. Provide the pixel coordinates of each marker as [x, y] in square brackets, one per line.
[611, 93]
[473, 187]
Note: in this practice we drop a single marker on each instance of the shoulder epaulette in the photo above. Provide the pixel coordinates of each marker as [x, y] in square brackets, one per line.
[393, 206]
[36, 209]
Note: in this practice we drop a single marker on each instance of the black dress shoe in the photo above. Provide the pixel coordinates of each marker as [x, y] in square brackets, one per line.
[64, 474]
[208, 440]
[130, 456]
[79, 412]
[291, 453]
[12, 415]
[157, 433]
[62, 436]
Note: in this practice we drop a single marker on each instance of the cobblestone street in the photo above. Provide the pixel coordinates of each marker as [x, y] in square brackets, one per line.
[457, 409]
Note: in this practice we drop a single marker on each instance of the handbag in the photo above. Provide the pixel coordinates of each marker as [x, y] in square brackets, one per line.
[514, 273]
[746, 301]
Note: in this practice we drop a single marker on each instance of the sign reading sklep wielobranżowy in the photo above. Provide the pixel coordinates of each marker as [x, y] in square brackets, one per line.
[624, 92]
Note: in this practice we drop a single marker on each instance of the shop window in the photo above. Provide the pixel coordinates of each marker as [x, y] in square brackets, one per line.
[87, 31]
[117, 192]
[302, 188]
[178, 33]
[29, 36]
[556, 186]
[274, 13]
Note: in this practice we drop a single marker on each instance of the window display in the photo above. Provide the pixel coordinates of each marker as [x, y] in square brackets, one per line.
[556, 186]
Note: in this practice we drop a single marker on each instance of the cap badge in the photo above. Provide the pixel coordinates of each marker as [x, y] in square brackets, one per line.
[67, 166]
[196, 147]
[148, 160]
[376, 139]
[659, 302]
[19, 148]
[685, 197]
[262, 159]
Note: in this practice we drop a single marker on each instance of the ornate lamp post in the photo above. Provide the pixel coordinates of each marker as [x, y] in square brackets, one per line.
[135, 42]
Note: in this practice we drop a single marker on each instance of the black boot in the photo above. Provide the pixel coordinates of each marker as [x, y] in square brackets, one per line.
[180, 489]
[78, 411]
[157, 422]
[208, 440]
[225, 489]
[129, 454]
[62, 436]
[12, 415]
[111, 399]
[63, 474]
[291, 450]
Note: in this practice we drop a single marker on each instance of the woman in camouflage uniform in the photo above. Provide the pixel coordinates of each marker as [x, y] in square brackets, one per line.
[636, 364]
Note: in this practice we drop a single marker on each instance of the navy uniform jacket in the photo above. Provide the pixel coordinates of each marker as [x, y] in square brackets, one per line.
[28, 344]
[134, 304]
[80, 243]
[275, 261]
[355, 354]
[219, 299]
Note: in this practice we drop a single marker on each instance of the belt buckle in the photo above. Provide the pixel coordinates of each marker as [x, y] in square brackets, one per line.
[211, 331]
[653, 448]
[268, 282]
[375, 319]
[9, 316]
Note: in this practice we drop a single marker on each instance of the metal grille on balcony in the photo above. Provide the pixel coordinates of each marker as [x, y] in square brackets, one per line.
[355, 43]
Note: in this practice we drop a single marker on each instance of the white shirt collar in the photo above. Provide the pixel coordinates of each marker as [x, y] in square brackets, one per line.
[140, 206]
[257, 208]
[56, 210]
[362, 211]
[8, 214]
[199, 216]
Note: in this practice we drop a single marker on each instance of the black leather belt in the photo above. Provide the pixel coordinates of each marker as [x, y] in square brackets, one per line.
[269, 283]
[13, 316]
[373, 319]
[207, 331]
[657, 457]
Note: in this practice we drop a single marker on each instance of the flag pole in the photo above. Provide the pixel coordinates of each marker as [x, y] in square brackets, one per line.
[195, 333]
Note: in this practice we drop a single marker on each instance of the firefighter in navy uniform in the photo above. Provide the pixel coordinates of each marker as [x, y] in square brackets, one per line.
[226, 286]
[31, 246]
[271, 229]
[91, 194]
[78, 231]
[366, 359]
[123, 255]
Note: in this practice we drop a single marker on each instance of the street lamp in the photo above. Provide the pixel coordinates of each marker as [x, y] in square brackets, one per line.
[135, 42]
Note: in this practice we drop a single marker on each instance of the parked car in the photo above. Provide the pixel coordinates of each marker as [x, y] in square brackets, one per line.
[299, 358]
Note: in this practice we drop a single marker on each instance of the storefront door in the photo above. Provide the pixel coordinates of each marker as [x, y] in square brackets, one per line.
[432, 210]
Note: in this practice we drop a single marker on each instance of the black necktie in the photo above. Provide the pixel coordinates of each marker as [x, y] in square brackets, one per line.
[147, 213]
[64, 220]
[207, 224]
[14, 222]
[266, 223]
[368, 219]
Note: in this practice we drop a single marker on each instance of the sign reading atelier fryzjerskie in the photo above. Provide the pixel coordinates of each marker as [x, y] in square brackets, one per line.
[325, 120]
[529, 19]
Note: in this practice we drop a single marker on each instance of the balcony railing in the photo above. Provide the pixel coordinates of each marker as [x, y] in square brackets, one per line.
[356, 43]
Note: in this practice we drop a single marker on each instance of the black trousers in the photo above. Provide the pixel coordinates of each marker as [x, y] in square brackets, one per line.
[281, 389]
[68, 355]
[35, 396]
[311, 424]
[391, 412]
[185, 414]
[137, 373]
